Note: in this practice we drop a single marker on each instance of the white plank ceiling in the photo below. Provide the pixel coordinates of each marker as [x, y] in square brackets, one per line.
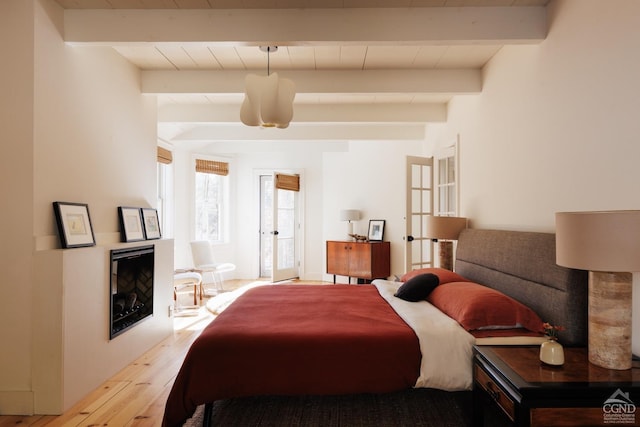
[363, 69]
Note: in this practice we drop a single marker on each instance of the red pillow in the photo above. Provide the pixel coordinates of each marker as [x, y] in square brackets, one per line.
[478, 307]
[444, 275]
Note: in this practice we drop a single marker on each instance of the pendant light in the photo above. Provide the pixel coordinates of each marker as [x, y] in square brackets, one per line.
[268, 100]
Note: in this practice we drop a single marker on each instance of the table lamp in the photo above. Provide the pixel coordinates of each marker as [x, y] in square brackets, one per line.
[607, 243]
[349, 215]
[445, 229]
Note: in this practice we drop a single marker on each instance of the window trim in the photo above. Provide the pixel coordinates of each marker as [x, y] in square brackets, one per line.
[449, 151]
[165, 197]
[225, 226]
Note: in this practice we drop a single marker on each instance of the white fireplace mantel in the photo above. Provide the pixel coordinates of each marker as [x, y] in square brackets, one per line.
[72, 353]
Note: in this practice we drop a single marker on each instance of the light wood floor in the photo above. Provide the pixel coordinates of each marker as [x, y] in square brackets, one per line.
[137, 394]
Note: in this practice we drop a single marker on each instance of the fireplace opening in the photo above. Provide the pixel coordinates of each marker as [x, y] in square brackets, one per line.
[131, 287]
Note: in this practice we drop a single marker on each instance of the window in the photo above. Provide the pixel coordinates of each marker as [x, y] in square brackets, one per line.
[211, 196]
[447, 182]
[162, 195]
[165, 191]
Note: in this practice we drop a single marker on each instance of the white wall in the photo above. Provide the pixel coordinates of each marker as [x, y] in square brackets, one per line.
[95, 134]
[365, 175]
[370, 177]
[78, 130]
[247, 160]
[556, 126]
[16, 166]
[183, 207]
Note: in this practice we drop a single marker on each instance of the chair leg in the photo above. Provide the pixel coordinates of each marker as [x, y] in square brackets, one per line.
[189, 282]
[219, 281]
[215, 280]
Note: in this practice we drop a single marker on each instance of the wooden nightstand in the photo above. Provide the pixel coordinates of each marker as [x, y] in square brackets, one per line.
[513, 381]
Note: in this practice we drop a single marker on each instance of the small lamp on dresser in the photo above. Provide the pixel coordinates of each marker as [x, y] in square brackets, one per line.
[445, 229]
[607, 243]
[349, 215]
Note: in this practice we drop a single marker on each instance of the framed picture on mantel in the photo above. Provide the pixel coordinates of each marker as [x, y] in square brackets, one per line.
[74, 224]
[130, 224]
[151, 223]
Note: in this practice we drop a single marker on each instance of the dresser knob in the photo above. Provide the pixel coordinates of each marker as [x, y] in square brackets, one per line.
[495, 394]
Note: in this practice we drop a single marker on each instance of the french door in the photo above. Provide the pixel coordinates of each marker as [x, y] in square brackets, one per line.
[418, 248]
[279, 226]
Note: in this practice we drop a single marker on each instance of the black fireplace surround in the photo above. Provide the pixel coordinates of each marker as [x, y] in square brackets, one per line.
[131, 287]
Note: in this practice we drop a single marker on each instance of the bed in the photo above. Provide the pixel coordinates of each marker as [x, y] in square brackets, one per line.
[348, 339]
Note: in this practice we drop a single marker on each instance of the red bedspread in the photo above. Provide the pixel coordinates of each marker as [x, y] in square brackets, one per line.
[294, 340]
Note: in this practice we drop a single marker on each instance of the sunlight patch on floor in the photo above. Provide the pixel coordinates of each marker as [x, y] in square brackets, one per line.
[218, 303]
[195, 318]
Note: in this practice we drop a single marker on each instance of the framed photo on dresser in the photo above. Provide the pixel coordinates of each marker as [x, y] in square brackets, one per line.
[376, 230]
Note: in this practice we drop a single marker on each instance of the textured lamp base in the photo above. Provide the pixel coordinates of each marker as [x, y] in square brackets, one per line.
[446, 254]
[610, 319]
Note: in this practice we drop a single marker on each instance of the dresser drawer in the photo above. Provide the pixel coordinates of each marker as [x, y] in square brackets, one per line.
[497, 394]
[576, 417]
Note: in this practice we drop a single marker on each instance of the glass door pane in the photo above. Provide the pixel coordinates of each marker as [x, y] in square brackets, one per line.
[418, 249]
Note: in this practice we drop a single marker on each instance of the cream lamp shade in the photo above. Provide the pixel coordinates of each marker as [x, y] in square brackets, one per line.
[445, 229]
[607, 243]
[349, 215]
[598, 241]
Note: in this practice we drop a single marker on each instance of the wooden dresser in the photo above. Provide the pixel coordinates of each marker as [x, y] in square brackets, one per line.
[363, 260]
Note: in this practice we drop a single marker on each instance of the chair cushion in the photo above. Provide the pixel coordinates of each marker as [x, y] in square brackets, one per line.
[187, 277]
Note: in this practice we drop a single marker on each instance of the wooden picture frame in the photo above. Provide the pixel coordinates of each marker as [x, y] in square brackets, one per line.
[74, 224]
[130, 224]
[376, 230]
[151, 223]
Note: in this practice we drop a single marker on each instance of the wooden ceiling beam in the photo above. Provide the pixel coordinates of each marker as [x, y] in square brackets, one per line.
[313, 113]
[307, 27]
[464, 81]
[301, 132]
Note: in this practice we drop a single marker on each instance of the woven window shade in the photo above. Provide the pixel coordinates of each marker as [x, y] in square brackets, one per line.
[164, 156]
[288, 182]
[211, 166]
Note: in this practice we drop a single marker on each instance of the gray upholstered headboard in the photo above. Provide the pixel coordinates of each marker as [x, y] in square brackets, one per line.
[523, 265]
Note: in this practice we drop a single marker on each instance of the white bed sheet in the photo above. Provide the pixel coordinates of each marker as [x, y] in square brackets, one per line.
[447, 349]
